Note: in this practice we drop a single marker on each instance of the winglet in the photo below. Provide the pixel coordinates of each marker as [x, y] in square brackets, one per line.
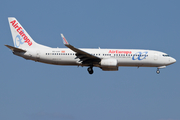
[64, 40]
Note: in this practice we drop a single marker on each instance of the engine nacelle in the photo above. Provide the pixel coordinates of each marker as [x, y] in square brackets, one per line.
[109, 64]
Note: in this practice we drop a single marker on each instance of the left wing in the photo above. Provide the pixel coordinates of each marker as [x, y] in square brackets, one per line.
[85, 58]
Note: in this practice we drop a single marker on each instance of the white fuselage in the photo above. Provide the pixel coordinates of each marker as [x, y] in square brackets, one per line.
[124, 57]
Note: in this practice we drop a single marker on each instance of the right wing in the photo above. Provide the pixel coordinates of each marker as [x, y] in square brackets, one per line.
[85, 58]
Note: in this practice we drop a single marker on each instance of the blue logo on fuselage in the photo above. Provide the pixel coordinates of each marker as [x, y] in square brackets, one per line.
[139, 56]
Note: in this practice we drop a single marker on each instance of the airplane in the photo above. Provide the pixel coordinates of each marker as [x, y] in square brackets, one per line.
[106, 59]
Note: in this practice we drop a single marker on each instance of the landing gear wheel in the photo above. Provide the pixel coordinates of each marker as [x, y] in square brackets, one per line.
[157, 71]
[90, 70]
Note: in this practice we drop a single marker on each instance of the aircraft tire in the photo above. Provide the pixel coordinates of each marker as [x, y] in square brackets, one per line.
[157, 71]
[90, 70]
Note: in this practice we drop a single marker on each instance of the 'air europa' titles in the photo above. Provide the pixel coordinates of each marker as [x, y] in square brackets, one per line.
[120, 52]
[21, 33]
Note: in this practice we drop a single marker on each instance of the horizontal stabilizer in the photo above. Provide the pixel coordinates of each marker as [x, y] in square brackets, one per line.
[14, 49]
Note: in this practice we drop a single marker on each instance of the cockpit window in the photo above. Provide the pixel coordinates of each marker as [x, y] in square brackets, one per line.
[165, 55]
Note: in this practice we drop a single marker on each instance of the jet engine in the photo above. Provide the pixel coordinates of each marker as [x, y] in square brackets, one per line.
[109, 64]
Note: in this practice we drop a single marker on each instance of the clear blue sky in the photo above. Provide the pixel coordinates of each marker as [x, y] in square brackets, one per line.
[35, 91]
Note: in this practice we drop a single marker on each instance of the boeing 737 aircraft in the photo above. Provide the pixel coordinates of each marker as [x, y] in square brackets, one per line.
[106, 59]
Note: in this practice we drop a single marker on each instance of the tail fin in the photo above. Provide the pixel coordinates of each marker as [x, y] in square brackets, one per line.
[20, 37]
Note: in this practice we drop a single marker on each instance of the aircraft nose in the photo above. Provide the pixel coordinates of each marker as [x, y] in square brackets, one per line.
[172, 60]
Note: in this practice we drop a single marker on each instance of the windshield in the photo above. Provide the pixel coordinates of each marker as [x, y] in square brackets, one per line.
[165, 55]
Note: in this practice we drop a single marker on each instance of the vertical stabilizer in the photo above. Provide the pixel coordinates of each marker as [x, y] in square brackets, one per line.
[20, 37]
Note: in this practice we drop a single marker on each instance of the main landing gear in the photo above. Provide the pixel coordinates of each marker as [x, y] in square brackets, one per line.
[157, 71]
[90, 70]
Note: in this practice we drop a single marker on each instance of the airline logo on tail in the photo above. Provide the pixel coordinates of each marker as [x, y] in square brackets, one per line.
[22, 37]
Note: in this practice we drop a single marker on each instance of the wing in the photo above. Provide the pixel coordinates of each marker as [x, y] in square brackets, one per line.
[85, 58]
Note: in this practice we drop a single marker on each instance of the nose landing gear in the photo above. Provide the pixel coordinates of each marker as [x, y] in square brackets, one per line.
[157, 71]
[90, 70]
